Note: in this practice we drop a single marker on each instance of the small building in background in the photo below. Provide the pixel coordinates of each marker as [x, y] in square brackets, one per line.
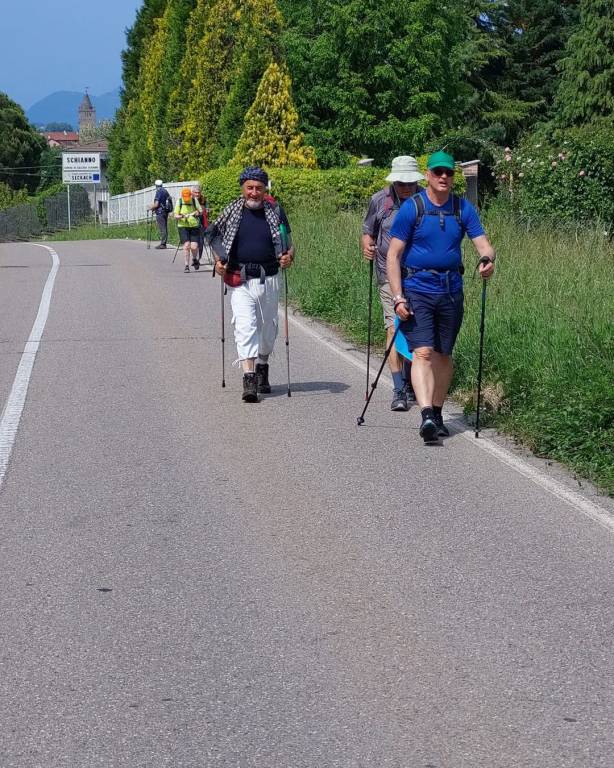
[61, 139]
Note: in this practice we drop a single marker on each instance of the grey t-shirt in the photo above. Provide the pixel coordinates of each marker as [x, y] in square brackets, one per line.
[383, 208]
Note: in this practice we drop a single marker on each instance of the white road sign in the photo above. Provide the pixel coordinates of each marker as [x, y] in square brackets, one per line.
[81, 167]
[80, 177]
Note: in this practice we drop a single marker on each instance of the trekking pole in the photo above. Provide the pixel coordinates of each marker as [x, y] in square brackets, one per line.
[286, 329]
[482, 317]
[149, 218]
[223, 339]
[369, 326]
[283, 232]
[361, 419]
[178, 247]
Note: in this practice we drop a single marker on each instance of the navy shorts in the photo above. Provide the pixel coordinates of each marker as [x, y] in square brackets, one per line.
[436, 320]
[189, 234]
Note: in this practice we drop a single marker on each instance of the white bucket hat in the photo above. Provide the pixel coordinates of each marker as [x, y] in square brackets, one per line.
[404, 168]
[158, 182]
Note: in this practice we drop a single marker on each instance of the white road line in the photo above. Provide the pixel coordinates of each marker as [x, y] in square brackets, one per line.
[11, 415]
[595, 512]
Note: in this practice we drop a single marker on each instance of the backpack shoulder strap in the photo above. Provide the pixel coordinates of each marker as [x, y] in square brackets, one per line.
[419, 203]
[458, 212]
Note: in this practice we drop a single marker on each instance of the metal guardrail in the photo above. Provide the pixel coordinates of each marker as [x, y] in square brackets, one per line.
[131, 207]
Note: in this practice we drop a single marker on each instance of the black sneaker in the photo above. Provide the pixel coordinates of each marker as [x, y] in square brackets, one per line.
[160, 247]
[428, 430]
[399, 401]
[409, 392]
[250, 388]
[262, 378]
[442, 430]
[195, 264]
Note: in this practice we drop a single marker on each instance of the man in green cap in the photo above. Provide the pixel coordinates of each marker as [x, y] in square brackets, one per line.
[425, 269]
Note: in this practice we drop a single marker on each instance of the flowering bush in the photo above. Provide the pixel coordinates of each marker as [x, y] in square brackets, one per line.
[565, 177]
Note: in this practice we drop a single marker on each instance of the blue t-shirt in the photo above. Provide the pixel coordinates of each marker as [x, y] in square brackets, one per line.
[435, 244]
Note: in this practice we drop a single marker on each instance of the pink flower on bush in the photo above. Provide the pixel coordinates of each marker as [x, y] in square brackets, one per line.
[553, 163]
[582, 173]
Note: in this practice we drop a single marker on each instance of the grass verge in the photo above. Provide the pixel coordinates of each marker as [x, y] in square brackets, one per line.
[549, 349]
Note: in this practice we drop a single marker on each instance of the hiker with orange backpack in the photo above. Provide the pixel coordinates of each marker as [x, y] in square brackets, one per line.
[187, 214]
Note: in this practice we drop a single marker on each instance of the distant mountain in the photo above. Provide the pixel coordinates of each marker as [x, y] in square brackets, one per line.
[63, 107]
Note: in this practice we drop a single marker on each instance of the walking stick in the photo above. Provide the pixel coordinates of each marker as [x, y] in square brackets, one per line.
[361, 419]
[149, 218]
[482, 316]
[223, 339]
[369, 326]
[285, 244]
[286, 328]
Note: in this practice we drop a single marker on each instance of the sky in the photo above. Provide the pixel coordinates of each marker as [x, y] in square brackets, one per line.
[62, 45]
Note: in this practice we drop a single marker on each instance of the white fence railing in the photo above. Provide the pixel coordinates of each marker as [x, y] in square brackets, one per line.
[132, 206]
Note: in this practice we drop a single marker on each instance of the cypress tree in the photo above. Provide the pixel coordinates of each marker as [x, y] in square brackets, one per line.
[586, 92]
[270, 136]
[231, 27]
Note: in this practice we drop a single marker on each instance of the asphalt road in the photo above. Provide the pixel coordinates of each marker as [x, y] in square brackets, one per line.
[191, 581]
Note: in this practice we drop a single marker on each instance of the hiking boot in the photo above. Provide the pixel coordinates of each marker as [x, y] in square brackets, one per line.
[250, 388]
[160, 247]
[262, 378]
[428, 430]
[186, 268]
[399, 401]
[409, 392]
[442, 430]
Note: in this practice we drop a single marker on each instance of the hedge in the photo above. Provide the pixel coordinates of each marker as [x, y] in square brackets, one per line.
[345, 187]
[567, 176]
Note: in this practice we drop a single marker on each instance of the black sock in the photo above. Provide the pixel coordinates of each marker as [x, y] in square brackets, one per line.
[427, 413]
[437, 410]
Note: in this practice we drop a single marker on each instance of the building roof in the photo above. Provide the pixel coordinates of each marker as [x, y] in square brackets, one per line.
[61, 138]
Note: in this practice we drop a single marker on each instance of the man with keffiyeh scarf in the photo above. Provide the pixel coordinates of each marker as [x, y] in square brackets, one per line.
[249, 250]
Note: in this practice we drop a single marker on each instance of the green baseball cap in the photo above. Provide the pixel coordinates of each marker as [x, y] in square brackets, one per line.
[440, 159]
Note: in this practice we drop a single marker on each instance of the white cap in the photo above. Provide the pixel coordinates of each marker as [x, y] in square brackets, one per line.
[158, 182]
[404, 168]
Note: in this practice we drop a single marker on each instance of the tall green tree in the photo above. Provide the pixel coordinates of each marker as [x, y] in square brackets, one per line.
[586, 92]
[125, 131]
[271, 136]
[160, 68]
[21, 147]
[373, 76]
[231, 28]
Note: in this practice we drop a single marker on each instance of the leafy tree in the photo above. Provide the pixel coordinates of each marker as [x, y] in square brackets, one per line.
[51, 167]
[124, 131]
[271, 136]
[21, 147]
[586, 92]
[231, 27]
[159, 70]
[373, 76]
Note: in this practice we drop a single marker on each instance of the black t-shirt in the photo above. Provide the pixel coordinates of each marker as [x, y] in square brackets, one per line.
[253, 243]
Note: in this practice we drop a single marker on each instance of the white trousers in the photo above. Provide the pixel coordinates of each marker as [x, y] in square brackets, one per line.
[254, 316]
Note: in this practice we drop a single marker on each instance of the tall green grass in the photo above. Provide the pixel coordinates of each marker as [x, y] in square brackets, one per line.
[549, 343]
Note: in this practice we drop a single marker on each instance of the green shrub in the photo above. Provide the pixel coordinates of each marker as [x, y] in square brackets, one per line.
[567, 176]
[10, 197]
[343, 187]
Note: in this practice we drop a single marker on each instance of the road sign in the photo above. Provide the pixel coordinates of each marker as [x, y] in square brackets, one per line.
[81, 167]
[80, 177]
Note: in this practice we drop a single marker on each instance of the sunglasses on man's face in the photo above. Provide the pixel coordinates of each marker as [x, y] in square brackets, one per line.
[443, 172]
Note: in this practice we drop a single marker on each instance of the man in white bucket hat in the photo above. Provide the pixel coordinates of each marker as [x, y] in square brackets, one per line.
[383, 206]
